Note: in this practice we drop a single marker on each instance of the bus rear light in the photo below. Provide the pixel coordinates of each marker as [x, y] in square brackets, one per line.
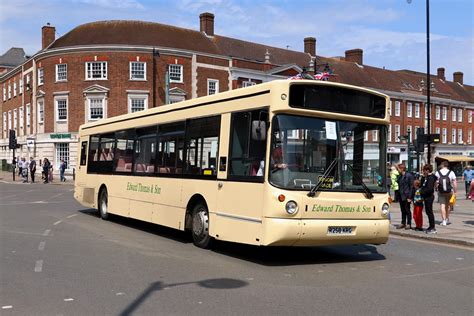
[281, 198]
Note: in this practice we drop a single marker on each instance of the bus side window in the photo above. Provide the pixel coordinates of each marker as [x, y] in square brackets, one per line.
[145, 153]
[123, 156]
[170, 148]
[202, 138]
[247, 154]
[83, 153]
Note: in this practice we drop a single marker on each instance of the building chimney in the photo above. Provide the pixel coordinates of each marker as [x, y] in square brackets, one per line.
[354, 55]
[457, 77]
[207, 23]
[48, 35]
[441, 73]
[310, 46]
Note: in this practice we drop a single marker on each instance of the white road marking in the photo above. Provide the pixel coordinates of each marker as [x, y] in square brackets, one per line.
[320, 271]
[7, 307]
[432, 273]
[436, 261]
[56, 223]
[68, 299]
[353, 269]
[39, 266]
[459, 258]
[55, 196]
[249, 279]
[41, 246]
[119, 293]
[46, 232]
[71, 216]
[27, 203]
[408, 264]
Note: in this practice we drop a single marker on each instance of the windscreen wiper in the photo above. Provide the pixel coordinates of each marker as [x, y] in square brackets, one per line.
[324, 177]
[368, 194]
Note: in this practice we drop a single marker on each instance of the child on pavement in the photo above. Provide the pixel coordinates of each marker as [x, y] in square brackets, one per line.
[418, 206]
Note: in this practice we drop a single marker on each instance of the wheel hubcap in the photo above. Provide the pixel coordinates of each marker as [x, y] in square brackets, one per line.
[200, 224]
[103, 206]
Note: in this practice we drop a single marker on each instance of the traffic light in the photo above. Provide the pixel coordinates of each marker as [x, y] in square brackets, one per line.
[12, 139]
[420, 140]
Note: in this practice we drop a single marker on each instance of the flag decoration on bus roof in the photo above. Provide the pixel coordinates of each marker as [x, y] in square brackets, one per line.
[320, 76]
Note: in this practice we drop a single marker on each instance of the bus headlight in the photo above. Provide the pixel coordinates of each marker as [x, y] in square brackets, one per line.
[291, 207]
[385, 209]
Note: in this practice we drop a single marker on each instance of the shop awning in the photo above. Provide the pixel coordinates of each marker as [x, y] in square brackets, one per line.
[455, 158]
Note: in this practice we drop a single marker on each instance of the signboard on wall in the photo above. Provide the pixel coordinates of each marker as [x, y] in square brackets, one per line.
[30, 142]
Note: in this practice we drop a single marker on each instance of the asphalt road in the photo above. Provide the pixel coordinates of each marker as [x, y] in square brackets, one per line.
[57, 258]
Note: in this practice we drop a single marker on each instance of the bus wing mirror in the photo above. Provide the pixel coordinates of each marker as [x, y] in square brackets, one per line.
[259, 130]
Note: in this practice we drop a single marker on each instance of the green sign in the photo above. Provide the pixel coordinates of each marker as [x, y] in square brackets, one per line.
[60, 136]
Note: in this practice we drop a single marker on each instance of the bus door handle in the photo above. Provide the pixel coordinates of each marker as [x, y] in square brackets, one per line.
[220, 185]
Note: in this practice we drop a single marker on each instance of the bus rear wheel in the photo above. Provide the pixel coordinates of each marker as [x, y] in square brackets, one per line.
[103, 204]
[200, 227]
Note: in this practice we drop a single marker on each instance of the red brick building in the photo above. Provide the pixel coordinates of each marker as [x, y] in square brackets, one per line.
[103, 69]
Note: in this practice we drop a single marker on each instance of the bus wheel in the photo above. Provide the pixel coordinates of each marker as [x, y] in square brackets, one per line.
[103, 204]
[200, 230]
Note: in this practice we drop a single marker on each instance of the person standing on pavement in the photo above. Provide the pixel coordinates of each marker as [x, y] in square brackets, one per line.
[62, 169]
[447, 186]
[394, 175]
[418, 206]
[467, 177]
[428, 182]
[46, 167]
[20, 166]
[26, 168]
[32, 169]
[405, 188]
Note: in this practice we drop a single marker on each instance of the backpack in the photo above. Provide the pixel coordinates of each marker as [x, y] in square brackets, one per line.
[445, 185]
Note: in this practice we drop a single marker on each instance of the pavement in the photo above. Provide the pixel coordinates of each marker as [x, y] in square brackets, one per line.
[460, 231]
[8, 177]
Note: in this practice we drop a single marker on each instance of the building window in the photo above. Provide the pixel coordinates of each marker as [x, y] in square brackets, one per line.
[375, 136]
[212, 86]
[409, 109]
[295, 135]
[426, 111]
[9, 91]
[4, 93]
[445, 135]
[61, 109]
[469, 137]
[175, 73]
[62, 152]
[96, 108]
[28, 115]
[27, 82]
[176, 98]
[390, 105]
[40, 111]
[389, 136]
[9, 120]
[22, 118]
[437, 130]
[459, 115]
[61, 72]
[409, 132]
[460, 140]
[417, 110]
[397, 133]
[453, 136]
[453, 114]
[397, 108]
[4, 121]
[438, 112]
[96, 70]
[21, 86]
[40, 76]
[469, 116]
[137, 70]
[445, 113]
[137, 103]
[14, 88]
[248, 84]
[15, 119]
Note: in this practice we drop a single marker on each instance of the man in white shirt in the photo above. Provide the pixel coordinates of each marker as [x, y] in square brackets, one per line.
[447, 186]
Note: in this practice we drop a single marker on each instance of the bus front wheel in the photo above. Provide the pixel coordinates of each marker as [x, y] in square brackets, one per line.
[103, 204]
[200, 227]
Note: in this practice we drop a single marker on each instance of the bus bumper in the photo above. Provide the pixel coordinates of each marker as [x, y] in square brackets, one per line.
[315, 232]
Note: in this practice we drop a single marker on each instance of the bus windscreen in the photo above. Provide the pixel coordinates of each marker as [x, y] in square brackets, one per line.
[336, 99]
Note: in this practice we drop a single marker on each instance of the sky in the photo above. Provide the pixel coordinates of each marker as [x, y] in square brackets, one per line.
[392, 33]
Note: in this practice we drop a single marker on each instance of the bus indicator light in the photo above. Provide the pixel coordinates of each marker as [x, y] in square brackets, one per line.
[281, 198]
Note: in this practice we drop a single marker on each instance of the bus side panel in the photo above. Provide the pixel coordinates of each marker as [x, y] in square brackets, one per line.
[118, 205]
[238, 216]
[169, 209]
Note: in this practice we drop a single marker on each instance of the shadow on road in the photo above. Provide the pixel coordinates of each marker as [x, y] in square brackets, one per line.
[268, 256]
[218, 284]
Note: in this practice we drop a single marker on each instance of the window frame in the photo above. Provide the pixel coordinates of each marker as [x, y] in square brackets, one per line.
[132, 97]
[180, 73]
[40, 76]
[61, 153]
[40, 107]
[417, 110]
[216, 88]
[438, 112]
[397, 108]
[454, 136]
[454, 112]
[89, 102]
[103, 69]
[21, 116]
[460, 115]
[58, 73]
[56, 108]
[409, 109]
[131, 77]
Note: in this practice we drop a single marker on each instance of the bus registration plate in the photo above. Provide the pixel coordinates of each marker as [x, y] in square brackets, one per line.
[339, 230]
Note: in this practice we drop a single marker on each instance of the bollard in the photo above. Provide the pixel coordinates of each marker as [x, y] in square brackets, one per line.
[73, 174]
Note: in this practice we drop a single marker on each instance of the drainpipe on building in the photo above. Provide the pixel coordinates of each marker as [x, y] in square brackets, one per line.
[167, 88]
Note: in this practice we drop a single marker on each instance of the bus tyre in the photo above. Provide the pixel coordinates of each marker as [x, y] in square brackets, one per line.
[200, 227]
[103, 204]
